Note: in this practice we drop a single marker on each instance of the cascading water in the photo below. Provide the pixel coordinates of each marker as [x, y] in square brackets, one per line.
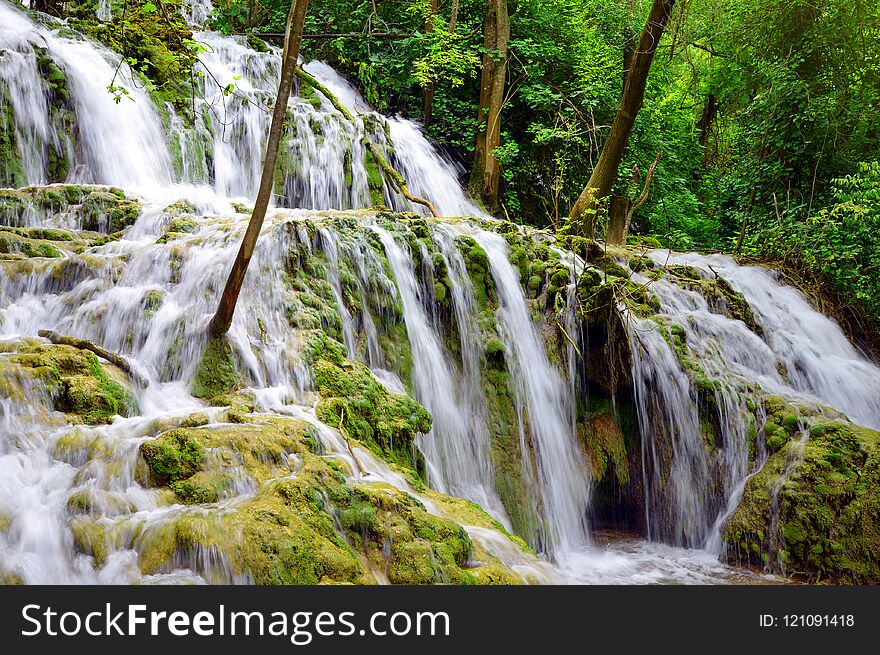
[456, 446]
[803, 355]
[818, 360]
[117, 143]
[540, 392]
[120, 138]
[149, 295]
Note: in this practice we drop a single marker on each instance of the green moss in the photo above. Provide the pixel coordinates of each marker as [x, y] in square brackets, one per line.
[477, 264]
[174, 456]
[90, 538]
[216, 372]
[11, 243]
[640, 263]
[352, 398]
[375, 179]
[153, 300]
[80, 383]
[606, 448]
[202, 487]
[311, 527]
[256, 43]
[106, 212]
[828, 508]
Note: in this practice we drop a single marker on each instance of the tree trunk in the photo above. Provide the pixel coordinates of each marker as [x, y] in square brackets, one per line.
[453, 16]
[117, 360]
[710, 111]
[621, 211]
[52, 7]
[583, 214]
[486, 173]
[618, 209]
[293, 34]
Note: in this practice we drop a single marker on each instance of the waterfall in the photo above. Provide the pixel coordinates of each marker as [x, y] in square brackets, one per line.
[562, 472]
[800, 354]
[149, 291]
[456, 446]
[28, 103]
[39, 474]
[818, 360]
[121, 139]
[120, 143]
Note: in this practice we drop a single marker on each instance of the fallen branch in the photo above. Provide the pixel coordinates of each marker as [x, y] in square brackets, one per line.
[570, 340]
[84, 344]
[394, 176]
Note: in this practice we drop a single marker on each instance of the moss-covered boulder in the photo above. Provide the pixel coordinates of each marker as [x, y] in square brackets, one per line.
[103, 211]
[353, 400]
[216, 374]
[88, 390]
[813, 510]
[307, 522]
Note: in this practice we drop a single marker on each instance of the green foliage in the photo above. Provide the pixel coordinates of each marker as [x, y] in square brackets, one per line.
[839, 243]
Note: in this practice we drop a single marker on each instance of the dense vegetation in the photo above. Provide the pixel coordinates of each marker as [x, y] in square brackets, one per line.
[765, 112]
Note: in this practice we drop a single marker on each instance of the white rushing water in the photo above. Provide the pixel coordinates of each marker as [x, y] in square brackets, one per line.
[819, 362]
[118, 143]
[802, 355]
[542, 396]
[108, 294]
[456, 446]
[121, 139]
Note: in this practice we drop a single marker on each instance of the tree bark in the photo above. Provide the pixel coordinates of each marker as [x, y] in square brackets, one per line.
[118, 361]
[293, 35]
[583, 213]
[618, 209]
[486, 173]
[622, 210]
[52, 7]
[710, 111]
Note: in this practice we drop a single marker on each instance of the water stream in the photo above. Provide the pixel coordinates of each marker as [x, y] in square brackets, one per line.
[214, 163]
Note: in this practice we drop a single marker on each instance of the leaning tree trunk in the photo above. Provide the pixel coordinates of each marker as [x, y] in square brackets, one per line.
[293, 36]
[583, 214]
[622, 209]
[486, 173]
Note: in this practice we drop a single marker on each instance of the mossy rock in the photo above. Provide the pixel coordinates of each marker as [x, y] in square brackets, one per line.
[216, 373]
[84, 388]
[172, 457]
[353, 399]
[106, 212]
[606, 449]
[304, 528]
[11, 243]
[828, 508]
